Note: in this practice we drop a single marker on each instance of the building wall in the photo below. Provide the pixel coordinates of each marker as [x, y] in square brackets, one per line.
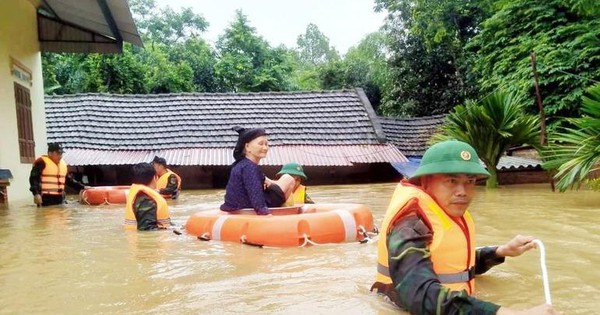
[19, 42]
[523, 177]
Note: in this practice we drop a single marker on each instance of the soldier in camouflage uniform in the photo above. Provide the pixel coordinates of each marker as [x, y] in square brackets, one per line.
[427, 259]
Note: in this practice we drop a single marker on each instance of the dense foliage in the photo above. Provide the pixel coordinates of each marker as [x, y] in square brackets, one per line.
[566, 42]
[428, 63]
[177, 59]
[574, 149]
[492, 126]
[430, 57]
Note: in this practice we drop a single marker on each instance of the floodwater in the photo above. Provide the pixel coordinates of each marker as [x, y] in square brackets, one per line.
[77, 259]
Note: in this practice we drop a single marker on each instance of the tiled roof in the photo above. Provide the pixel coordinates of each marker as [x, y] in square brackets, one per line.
[321, 128]
[410, 135]
[194, 120]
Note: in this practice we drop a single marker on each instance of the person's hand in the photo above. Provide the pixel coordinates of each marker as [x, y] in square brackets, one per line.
[268, 182]
[37, 199]
[543, 309]
[517, 246]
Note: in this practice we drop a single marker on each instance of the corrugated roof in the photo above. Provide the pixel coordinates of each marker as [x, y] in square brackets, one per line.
[278, 155]
[85, 25]
[518, 163]
[410, 135]
[505, 163]
[312, 128]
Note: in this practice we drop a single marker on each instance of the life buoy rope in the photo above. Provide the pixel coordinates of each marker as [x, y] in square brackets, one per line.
[307, 241]
[204, 237]
[544, 271]
[368, 237]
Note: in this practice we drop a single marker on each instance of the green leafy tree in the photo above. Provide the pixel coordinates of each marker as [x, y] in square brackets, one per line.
[564, 34]
[428, 63]
[363, 66]
[424, 81]
[201, 58]
[121, 73]
[164, 76]
[574, 151]
[50, 65]
[176, 61]
[166, 26]
[367, 67]
[247, 63]
[492, 126]
[314, 48]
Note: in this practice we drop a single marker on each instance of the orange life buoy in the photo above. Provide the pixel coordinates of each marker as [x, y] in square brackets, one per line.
[104, 195]
[326, 223]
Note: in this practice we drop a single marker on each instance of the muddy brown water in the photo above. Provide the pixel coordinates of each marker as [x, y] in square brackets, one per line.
[78, 259]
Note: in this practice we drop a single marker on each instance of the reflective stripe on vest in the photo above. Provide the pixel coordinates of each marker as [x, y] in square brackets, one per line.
[163, 181]
[452, 248]
[296, 198]
[463, 276]
[162, 210]
[53, 177]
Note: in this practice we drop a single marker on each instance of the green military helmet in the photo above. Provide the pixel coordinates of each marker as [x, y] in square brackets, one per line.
[450, 157]
[292, 169]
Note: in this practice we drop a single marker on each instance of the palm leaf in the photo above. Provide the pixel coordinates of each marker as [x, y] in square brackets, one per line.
[575, 151]
[492, 126]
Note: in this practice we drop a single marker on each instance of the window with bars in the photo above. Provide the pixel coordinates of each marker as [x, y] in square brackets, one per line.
[24, 124]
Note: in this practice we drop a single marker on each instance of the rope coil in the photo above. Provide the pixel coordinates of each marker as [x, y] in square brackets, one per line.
[544, 271]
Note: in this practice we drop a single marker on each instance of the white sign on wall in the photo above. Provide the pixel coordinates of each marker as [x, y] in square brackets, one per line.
[21, 73]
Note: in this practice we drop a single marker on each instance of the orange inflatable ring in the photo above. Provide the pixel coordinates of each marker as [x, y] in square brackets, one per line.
[291, 226]
[104, 195]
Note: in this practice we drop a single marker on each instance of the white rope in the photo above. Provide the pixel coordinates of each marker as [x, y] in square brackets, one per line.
[205, 236]
[307, 241]
[544, 271]
[368, 237]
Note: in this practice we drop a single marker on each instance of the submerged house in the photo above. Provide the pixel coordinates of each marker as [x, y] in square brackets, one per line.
[335, 135]
[28, 28]
[410, 135]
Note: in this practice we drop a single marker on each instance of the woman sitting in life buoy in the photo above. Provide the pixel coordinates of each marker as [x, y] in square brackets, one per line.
[248, 187]
[146, 209]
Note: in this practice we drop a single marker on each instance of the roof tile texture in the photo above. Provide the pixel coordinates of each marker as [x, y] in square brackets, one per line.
[198, 120]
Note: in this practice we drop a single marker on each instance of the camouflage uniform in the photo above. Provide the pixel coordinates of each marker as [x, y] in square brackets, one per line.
[416, 287]
[172, 188]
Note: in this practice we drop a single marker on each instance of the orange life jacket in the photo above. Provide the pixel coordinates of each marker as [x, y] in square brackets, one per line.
[162, 210]
[297, 197]
[453, 246]
[53, 177]
[163, 181]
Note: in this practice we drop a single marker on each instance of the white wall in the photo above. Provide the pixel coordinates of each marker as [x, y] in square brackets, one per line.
[19, 41]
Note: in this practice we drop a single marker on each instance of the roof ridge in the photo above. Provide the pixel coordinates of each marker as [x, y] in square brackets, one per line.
[350, 91]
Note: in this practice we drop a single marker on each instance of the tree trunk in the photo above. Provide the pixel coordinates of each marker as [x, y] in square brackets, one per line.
[492, 181]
